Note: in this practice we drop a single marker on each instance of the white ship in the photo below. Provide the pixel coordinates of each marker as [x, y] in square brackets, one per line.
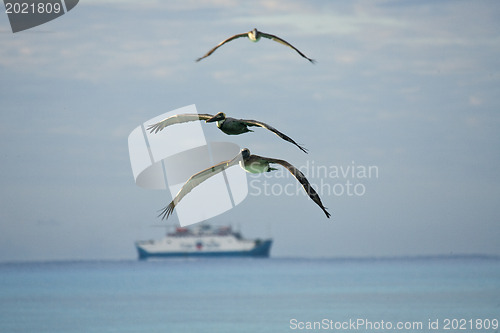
[203, 240]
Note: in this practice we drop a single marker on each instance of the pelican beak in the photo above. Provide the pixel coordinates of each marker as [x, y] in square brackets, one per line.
[214, 118]
[211, 120]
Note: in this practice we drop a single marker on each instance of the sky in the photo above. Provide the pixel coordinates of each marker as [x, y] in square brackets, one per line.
[406, 89]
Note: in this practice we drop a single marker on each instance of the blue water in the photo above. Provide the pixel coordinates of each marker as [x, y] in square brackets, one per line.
[248, 295]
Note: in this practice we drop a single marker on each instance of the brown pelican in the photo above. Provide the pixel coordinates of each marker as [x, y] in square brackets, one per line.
[255, 36]
[228, 125]
[250, 163]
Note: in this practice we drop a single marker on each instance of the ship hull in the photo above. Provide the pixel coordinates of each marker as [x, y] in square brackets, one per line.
[259, 250]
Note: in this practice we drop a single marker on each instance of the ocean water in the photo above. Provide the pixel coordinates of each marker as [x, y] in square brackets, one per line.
[447, 294]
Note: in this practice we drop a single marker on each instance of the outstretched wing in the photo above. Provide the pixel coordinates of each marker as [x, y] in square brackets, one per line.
[274, 130]
[196, 180]
[245, 34]
[301, 178]
[177, 119]
[284, 42]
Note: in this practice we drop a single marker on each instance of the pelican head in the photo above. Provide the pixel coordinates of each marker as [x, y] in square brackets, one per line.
[254, 35]
[245, 153]
[218, 117]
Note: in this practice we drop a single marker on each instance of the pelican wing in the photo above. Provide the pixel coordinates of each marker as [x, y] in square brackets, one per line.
[177, 119]
[284, 42]
[194, 181]
[245, 34]
[301, 178]
[274, 130]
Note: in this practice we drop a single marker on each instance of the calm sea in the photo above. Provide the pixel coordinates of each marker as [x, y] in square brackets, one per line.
[451, 294]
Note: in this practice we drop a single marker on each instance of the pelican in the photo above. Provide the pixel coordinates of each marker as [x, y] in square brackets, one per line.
[228, 125]
[255, 36]
[250, 163]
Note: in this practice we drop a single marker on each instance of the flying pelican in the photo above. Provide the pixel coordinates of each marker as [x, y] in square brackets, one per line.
[255, 36]
[228, 125]
[250, 163]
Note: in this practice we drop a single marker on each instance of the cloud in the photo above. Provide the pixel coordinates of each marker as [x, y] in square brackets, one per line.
[475, 101]
[95, 53]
